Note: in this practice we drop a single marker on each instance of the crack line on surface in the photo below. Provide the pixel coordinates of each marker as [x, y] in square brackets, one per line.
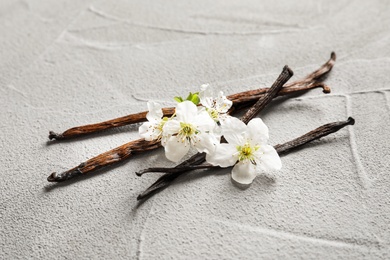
[244, 19]
[111, 17]
[365, 181]
[78, 41]
[92, 28]
[302, 237]
[340, 94]
[13, 88]
[142, 233]
[382, 90]
[341, 60]
[387, 100]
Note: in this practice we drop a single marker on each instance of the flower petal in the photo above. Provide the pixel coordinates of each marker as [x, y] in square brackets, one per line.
[257, 131]
[171, 127]
[155, 111]
[185, 111]
[222, 104]
[268, 159]
[205, 143]
[244, 172]
[144, 129]
[164, 139]
[233, 130]
[205, 90]
[206, 96]
[175, 149]
[204, 122]
[224, 119]
[224, 155]
[149, 131]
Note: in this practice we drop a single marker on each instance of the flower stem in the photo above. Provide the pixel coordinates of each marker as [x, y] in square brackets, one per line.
[172, 173]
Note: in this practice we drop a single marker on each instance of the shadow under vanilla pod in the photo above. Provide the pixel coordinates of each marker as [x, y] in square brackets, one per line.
[254, 101]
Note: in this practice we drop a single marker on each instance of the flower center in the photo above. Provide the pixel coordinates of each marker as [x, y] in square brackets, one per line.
[246, 152]
[186, 130]
[213, 113]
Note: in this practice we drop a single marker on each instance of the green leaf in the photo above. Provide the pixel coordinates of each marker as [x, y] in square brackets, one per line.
[194, 98]
[178, 99]
[189, 96]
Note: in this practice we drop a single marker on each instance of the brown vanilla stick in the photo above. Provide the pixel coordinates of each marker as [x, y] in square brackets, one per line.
[173, 173]
[117, 122]
[105, 159]
[313, 80]
[313, 135]
[286, 74]
[242, 99]
[323, 70]
[199, 158]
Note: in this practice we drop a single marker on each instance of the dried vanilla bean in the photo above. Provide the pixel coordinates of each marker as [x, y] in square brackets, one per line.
[286, 74]
[240, 100]
[117, 122]
[172, 173]
[313, 135]
[105, 159]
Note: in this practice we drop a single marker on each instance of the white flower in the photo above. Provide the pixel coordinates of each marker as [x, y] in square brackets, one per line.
[217, 105]
[190, 127]
[152, 129]
[247, 150]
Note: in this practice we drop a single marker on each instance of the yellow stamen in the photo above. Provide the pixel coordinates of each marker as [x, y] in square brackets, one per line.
[246, 152]
[186, 131]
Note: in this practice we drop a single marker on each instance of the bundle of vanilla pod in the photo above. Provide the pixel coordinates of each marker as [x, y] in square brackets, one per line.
[205, 121]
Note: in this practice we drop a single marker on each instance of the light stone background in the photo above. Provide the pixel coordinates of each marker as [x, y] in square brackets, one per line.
[67, 63]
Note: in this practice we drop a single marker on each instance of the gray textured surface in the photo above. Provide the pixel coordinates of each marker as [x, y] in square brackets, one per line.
[65, 63]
